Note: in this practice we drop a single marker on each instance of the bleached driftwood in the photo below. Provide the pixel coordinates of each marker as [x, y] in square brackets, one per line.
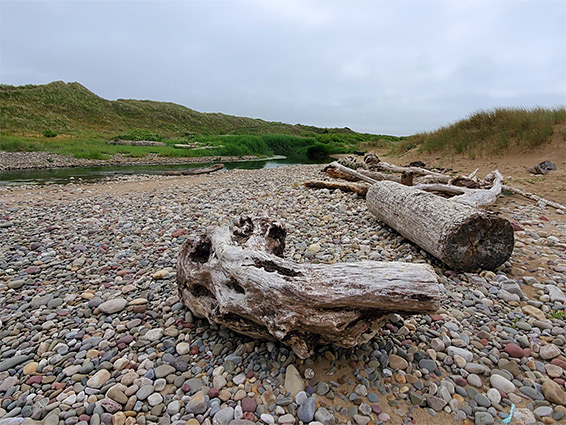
[463, 237]
[417, 171]
[360, 189]
[482, 197]
[338, 170]
[195, 171]
[234, 275]
[534, 197]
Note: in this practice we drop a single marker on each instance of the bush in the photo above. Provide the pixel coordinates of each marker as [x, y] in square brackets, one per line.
[318, 150]
[48, 133]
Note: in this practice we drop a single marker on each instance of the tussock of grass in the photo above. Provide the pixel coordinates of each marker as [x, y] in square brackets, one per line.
[491, 132]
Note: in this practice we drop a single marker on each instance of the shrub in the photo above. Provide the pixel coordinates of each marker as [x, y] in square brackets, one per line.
[48, 133]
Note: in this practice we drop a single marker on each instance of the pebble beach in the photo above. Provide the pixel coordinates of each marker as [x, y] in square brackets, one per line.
[92, 330]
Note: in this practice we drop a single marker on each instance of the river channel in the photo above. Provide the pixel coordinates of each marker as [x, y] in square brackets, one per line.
[67, 175]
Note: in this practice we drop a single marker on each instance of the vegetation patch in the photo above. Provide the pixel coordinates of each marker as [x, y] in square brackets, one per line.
[491, 132]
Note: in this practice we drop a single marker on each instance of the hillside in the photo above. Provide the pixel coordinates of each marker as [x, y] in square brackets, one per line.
[70, 108]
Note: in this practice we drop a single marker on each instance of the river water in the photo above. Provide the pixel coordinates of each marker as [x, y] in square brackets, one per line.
[67, 175]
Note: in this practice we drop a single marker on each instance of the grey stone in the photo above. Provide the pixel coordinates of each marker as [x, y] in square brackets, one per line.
[427, 364]
[198, 403]
[556, 294]
[323, 416]
[483, 418]
[465, 354]
[436, 403]
[163, 370]
[306, 410]
[12, 362]
[224, 416]
[113, 306]
[293, 380]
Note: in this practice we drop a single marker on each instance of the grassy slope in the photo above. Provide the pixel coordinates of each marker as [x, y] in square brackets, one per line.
[70, 108]
[493, 133]
[84, 122]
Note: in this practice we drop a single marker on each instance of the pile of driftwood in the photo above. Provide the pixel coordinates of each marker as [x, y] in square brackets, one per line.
[234, 275]
[457, 230]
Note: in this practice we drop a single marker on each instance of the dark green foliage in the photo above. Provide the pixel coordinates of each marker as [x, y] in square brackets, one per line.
[318, 150]
[48, 133]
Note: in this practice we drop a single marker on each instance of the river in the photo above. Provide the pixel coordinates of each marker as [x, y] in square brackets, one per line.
[67, 175]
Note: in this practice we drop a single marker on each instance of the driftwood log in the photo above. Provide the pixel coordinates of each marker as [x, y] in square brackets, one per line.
[234, 275]
[360, 189]
[195, 171]
[463, 237]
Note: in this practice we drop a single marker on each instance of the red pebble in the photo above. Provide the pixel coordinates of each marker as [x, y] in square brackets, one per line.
[213, 392]
[186, 388]
[249, 416]
[194, 350]
[179, 232]
[514, 350]
[35, 380]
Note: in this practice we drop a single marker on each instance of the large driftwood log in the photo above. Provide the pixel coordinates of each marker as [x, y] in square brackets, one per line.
[234, 275]
[463, 237]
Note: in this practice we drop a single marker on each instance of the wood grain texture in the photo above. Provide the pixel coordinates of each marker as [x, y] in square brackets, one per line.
[234, 275]
[463, 237]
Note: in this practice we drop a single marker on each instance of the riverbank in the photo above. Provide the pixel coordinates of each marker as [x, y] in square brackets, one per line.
[10, 161]
[498, 340]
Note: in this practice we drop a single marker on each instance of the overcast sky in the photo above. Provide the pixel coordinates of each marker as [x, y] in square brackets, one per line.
[390, 67]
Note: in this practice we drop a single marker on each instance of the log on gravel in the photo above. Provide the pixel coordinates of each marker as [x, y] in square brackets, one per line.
[360, 189]
[463, 237]
[234, 276]
[195, 171]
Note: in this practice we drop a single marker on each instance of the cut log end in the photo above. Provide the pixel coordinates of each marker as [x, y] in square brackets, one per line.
[463, 237]
[483, 241]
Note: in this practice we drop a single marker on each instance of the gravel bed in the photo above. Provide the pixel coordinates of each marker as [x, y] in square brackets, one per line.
[92, 330]
[37, 160]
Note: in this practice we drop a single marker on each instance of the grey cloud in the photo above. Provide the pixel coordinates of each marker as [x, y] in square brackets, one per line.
[394, 67]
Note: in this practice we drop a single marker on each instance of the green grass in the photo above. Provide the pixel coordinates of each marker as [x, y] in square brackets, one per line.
[96, 147]
[491, 132]
[67, 118]
[70, 108]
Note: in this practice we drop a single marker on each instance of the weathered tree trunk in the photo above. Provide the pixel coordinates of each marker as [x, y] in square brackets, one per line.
[234, 276]
[463, 237]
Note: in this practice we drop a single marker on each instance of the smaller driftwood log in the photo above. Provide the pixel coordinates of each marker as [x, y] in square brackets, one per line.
[195, 171]
[234, 275]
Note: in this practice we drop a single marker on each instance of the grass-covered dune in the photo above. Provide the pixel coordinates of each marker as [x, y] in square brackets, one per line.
[67, 118]
[493, 133]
